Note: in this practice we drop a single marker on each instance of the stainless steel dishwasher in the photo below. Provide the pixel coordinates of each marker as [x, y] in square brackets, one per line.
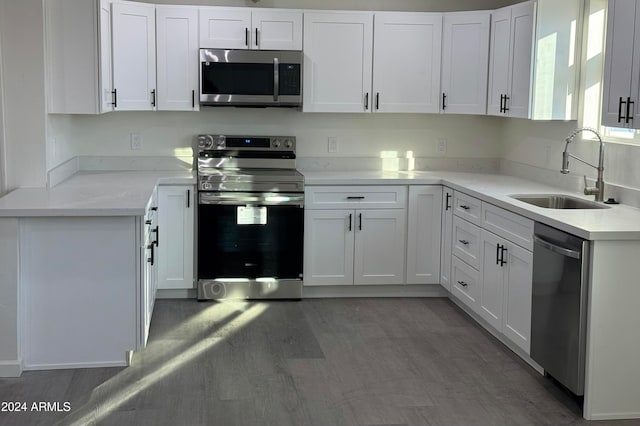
[559, 305]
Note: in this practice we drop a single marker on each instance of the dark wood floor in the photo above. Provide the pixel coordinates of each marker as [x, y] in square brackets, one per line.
[315, 362]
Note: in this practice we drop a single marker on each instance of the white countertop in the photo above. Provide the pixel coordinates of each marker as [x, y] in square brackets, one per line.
[127, 193]
[619, 222]
[91, 194]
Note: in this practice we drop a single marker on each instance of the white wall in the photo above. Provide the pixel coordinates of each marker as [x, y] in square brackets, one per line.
[21, 28]
[360, 135]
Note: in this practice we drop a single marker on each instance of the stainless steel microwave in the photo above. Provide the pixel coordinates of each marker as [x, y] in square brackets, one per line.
[258, 78]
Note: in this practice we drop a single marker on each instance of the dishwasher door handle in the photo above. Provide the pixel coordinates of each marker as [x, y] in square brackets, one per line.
[557, 249]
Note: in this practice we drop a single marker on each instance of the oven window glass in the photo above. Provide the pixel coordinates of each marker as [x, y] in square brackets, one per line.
[237, 79]
[229, 250]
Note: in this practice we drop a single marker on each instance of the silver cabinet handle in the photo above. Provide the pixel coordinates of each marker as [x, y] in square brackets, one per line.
[556, 249]
[465, 242]
[465, 207]
[462, 283]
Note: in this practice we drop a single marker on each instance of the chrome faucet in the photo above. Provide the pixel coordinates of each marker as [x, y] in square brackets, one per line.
[598, 190]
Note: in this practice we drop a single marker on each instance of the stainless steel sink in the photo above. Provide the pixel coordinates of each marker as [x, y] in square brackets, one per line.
[558, 201]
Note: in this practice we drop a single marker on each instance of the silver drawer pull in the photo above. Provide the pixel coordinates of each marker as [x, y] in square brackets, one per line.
[462, 283]
[464, 207]
[465, 242]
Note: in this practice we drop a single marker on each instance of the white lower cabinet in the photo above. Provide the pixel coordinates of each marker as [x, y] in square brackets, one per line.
[380, 237]
[424, 234]
[357, 244]
[505, 292]
[328, 247]
[344, 247]
[492, 275]
[175, 236]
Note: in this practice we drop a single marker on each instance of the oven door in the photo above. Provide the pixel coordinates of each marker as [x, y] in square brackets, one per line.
[250, 78]
[250, 236]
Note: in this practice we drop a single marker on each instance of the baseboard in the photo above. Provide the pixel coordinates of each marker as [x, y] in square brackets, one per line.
[182, 293]
[615, 416]
[401, 290]
[11, 368]
[73, 365]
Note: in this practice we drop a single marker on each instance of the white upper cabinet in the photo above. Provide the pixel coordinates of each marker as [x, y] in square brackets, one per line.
[510, 60]
[134, 56]
[556, 68]
[79, 79]
[465, 61]
[246, 28]
[276, 29]
[177, 58]
[621, 89]
[406, 62]
[338, 48]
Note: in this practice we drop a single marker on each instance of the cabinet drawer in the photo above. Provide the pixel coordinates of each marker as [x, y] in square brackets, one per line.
[466, 283]
[508, 225]
[467, 207]
[466, 241]
[355, 197]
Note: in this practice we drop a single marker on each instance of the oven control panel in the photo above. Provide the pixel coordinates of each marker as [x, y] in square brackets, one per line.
[241, 143]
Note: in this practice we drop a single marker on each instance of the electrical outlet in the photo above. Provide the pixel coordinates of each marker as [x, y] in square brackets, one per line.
[442, 146]
[136, 141]
[332, 145]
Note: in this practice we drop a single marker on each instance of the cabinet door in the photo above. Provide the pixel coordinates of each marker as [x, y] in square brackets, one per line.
[177, 57]
[493, 276]
[517, 296]
[379, 246]
[622, 16]
[328, 247]
[276, 29]
[423, 236]
[225, 27]
[499, 61]
[175, 237]
[337, 61]
[447, 238]
[518, 95]
[134, 56]
[465, 62]
[406, 78]
[106, 76]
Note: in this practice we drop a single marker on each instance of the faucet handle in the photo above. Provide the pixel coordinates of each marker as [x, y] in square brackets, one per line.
[590, 190]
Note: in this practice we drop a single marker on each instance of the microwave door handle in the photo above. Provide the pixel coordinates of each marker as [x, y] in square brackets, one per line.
[276, 79]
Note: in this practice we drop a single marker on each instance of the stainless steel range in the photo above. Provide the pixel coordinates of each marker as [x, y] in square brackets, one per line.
[250, 218]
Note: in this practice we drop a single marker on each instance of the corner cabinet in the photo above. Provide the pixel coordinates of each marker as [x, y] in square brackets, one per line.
[246, 28]
[621, 89]
[424, 234]
[175, 236]
[354, 235]
[79, 79]
[338, 52]
[177, 58]
[465, 60]
[532, 74]
[134, 56]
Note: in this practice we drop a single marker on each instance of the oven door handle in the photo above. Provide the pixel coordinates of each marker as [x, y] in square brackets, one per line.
[252, 199]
